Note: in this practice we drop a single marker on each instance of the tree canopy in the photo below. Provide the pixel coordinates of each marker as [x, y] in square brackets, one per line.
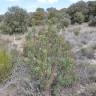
[15, 20]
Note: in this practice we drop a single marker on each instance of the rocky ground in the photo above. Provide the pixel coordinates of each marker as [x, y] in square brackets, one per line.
[82, 40]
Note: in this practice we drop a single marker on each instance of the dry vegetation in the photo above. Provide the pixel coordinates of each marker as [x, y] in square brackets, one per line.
[48, 53]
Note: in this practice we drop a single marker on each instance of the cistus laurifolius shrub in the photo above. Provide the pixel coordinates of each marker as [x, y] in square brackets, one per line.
[50, 59]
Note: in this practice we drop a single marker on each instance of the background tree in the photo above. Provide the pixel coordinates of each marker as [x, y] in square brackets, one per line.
[63, 19]
[15, 20]
[78, 17]
[64, 23]
[92, 8]
[58, 17]
[80, 6]
[39, 16]
[51, 12]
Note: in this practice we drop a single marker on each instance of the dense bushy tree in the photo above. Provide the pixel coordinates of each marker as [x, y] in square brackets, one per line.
[64, 23]
[39, 16]
[15, 20]
[86, 8]
[80, 6]
[63, 19]
[58, 17]
[53, 20]
[78, 17]
[53, 15]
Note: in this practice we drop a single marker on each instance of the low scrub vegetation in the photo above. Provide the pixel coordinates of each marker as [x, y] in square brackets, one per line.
[50, 60]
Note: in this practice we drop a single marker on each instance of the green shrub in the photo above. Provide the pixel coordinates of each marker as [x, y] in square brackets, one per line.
[39, 17]
[64, 23]
[15, 21]
[53, 20]
[50, 59]
[5, 65]
[76, 31]
[78, 17]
